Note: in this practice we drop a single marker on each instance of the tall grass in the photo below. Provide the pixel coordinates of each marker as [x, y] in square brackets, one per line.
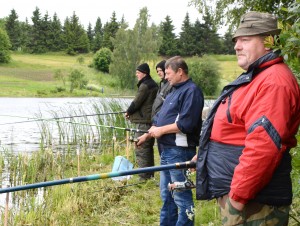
[93, 203]
[88, 129]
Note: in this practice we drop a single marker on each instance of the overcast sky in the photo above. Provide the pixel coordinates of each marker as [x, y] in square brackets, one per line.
[89, 10]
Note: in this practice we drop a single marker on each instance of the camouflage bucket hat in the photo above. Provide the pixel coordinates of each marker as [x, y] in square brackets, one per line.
[257, 23]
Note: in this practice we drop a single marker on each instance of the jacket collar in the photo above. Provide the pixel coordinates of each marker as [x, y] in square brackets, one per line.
[147, 77]
[256, 67]
[176, 86]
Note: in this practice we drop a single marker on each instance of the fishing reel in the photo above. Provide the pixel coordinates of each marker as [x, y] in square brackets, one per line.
[133, 138]
[185, 185]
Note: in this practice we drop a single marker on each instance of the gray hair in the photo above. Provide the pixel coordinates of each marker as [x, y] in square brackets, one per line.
[177, 62]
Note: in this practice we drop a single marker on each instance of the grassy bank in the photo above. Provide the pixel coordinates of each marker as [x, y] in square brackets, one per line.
[98, 202]
[29, 75]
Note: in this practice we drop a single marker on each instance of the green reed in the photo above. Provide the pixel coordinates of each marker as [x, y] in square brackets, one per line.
[81, 131]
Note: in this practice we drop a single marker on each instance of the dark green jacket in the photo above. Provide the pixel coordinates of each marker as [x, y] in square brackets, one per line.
[140, 108]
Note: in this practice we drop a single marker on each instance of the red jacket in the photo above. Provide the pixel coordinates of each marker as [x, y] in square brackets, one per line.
[271, 98]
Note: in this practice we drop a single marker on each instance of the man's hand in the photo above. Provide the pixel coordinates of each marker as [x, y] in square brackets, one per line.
[142, 139]
[194, 159]
[127, 116]
[155, 132]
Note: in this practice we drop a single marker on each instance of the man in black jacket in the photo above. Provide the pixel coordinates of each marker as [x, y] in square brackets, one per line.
[139, 113]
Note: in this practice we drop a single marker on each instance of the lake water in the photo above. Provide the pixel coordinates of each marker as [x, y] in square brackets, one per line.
[19, 133]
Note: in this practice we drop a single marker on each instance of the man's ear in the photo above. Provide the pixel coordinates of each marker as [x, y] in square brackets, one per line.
[269, 42]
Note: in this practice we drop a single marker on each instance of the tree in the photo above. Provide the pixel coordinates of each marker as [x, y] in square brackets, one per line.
[46, 32]
[13, 30]
[25, 35]
[230, 11]
[187, 41]
[74, 36]
[55, 35]
[131, 47]
[211, 38]
[4, 46]
[228, 44]
[39, 32]
[37, 40]
[90, 34]
[169, 41]
[198, 33]
[290, 38]
[98, 39]
[110, 30]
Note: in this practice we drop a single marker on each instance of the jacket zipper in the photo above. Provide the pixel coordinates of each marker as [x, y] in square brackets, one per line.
[228, 109]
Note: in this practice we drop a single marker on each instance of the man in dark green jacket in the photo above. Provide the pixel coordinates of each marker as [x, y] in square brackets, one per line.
[139, 113]
[163, 90]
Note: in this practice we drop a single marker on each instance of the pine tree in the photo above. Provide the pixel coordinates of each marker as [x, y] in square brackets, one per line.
[46, 32]
[211, 38]
[55, 35]
[169, 41]
[228, 44]
[75, 36]
[13, 30]
[110, 30]
[187, 41]
[199, 38]
[25, 35]
[37, 37]
[98, 39]
[90, 34]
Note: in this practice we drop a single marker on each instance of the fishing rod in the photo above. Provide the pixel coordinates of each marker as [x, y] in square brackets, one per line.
[73, 116]
[178, 165]
[79, 123]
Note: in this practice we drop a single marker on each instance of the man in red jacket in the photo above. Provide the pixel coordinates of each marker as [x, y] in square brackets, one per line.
[243, 159]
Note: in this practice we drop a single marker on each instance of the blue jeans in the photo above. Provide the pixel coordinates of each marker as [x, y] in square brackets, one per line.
[177, 206]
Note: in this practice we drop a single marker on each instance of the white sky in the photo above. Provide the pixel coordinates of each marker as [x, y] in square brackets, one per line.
[89, 10]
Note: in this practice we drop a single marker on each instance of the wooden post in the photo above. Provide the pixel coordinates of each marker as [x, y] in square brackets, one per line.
[78, 160]
[127, 144]
[6, 209]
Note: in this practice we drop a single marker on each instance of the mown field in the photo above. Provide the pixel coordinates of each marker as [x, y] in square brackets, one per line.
[34, 76]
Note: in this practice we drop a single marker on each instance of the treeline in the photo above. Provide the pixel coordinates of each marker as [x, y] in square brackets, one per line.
[48, 34]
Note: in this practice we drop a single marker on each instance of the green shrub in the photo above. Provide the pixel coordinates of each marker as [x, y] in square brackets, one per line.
[205, 73]
[102, 59]
[59, 75]
[80, 59]
[77, 80]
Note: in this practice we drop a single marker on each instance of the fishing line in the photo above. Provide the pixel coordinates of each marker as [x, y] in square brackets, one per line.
[73, 116]
[78, 123]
